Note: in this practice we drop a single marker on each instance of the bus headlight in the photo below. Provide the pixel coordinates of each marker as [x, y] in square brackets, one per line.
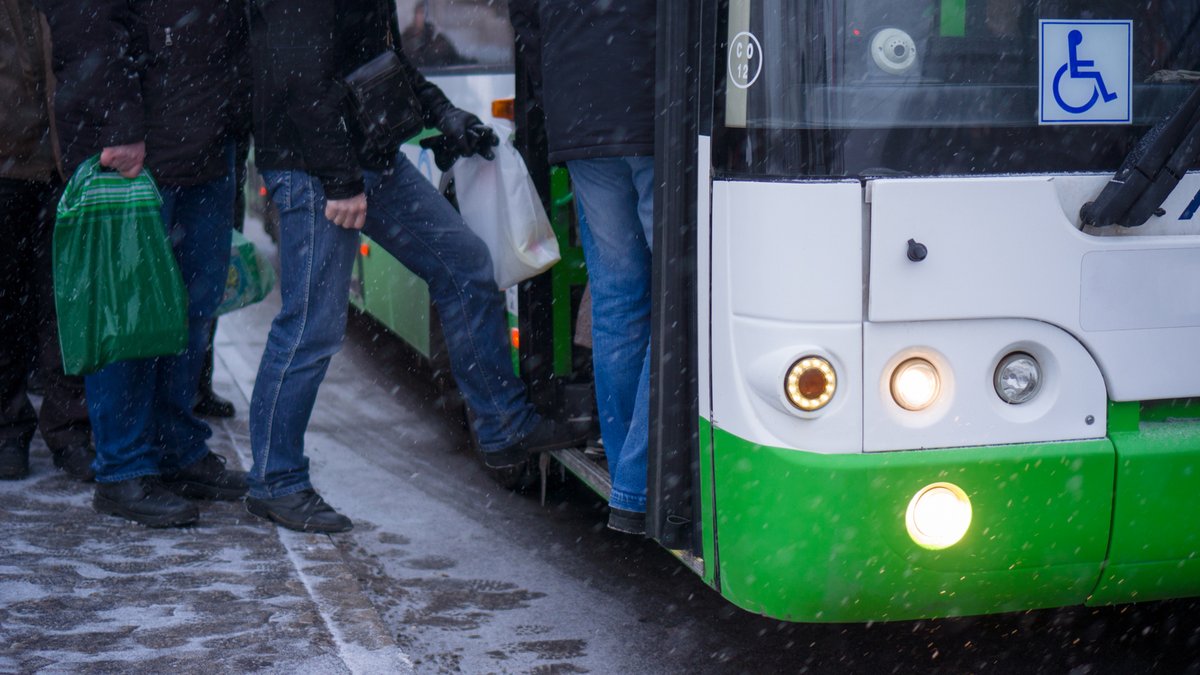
[1018, 378]
[938, 516]
[915, 384]
[810, 383]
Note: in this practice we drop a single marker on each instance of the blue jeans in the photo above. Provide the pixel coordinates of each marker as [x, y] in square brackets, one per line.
[141, 410]
[413, 222]
[617, 198]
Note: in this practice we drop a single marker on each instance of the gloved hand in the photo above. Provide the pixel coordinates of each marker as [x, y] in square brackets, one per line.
[467, 135]
[443, 151]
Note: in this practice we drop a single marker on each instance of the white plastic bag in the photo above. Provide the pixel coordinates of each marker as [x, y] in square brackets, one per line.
[498, 201]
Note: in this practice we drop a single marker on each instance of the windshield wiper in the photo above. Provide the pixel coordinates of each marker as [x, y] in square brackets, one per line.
[1150, 172]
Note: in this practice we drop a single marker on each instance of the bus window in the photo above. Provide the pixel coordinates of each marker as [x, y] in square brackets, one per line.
[456, 34]
[845, 88]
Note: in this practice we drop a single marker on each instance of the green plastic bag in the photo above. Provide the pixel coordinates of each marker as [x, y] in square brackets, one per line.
[250, 278]
[117, 286]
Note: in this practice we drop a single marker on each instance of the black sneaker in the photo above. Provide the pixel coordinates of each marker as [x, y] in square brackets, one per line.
[546, 436]
[208, 404]
[76, 461]
[206, 479]
[14, 460]
[629, 522]
[144, 500]
[302, 511]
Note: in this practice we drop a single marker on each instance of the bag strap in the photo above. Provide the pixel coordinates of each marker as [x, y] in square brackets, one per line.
[387, 20]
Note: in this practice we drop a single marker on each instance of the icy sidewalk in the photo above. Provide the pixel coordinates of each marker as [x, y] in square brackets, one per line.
[84, 592]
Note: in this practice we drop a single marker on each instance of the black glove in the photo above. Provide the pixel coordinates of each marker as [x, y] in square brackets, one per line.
[443, 151]
[466, 134]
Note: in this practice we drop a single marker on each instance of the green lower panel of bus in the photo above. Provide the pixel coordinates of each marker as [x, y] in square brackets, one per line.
[811, 537]
[395, 296]
[1155, 550]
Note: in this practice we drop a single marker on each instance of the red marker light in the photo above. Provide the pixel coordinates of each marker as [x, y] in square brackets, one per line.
[262, 191]
[364, 249]
[856, 32]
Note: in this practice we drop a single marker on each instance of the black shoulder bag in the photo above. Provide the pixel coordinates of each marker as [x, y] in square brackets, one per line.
[387, 110]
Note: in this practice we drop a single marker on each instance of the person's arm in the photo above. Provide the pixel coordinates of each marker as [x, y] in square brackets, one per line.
[99, 84]
[466, 133]
[299, 36]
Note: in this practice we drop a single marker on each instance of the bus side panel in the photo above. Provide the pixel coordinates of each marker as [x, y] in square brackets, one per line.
[817, 537]
[396, 297]
[707, 508]
[1155, 551]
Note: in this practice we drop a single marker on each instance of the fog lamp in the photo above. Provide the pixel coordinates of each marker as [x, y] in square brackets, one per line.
[1018, 378]
[938, 516]
[915, 384]
[810, 383]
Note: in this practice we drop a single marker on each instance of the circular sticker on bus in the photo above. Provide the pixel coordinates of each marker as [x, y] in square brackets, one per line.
[745, 60]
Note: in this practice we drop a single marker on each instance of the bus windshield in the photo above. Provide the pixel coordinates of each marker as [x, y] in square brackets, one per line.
[844, 88]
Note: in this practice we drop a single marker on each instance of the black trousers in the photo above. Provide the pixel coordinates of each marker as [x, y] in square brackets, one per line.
[28, 325]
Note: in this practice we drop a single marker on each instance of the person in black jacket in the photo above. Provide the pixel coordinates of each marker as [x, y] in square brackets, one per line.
[147, 84]
[598, 92]
[30, 181]
[328, 183]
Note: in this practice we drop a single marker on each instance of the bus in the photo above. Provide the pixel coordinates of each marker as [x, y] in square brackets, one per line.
[926, 302]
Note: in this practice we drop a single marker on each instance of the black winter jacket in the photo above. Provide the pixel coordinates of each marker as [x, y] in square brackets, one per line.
[152, 70]
[302, 50]
[598, 77]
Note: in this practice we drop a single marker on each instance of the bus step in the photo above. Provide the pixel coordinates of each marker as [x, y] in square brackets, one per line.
[593, 475]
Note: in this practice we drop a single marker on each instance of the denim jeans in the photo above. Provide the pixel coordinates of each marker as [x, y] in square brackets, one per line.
[617, 198]
[141, 410]
[413, 222]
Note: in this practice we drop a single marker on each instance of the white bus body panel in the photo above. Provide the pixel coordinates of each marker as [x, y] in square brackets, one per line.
[786, 283]
[704, 276]
[1009, 248]
[1070, 404]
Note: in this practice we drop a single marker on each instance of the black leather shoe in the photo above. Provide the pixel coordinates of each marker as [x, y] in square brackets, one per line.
[302, 511]
[76, 461]
[208, 404]
[14, 460]
[629, 522]
[144, 500]
[206, 479]
[546, 436]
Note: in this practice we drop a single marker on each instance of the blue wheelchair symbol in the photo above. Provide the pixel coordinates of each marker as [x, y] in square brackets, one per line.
[1076, 65]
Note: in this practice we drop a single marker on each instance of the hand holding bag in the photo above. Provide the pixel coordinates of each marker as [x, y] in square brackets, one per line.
[500, 204]
[117, 286]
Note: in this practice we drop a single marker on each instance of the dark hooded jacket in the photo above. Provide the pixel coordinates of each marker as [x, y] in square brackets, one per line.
[302, 51]
[598, 77]
[159, 71]
[26, 134]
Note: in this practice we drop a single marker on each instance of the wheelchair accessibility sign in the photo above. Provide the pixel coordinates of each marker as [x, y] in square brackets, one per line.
[1086, 72]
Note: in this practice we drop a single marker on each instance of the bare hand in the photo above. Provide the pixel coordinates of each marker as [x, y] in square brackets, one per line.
[348, 213]
[127, 159]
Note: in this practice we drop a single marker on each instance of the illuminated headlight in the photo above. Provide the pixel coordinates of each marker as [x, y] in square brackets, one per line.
[1018, 378]
[938, 516]
[915, 384]
[810, 383]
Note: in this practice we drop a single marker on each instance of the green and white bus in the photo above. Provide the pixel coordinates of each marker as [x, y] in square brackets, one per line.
[916, 352]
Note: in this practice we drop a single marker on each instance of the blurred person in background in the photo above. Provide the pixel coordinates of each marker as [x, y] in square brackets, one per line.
[30, 181]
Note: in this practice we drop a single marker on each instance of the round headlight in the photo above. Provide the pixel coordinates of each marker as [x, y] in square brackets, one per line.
[1018, 378]
[938, 516]
[810, 383]
[915, 384]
